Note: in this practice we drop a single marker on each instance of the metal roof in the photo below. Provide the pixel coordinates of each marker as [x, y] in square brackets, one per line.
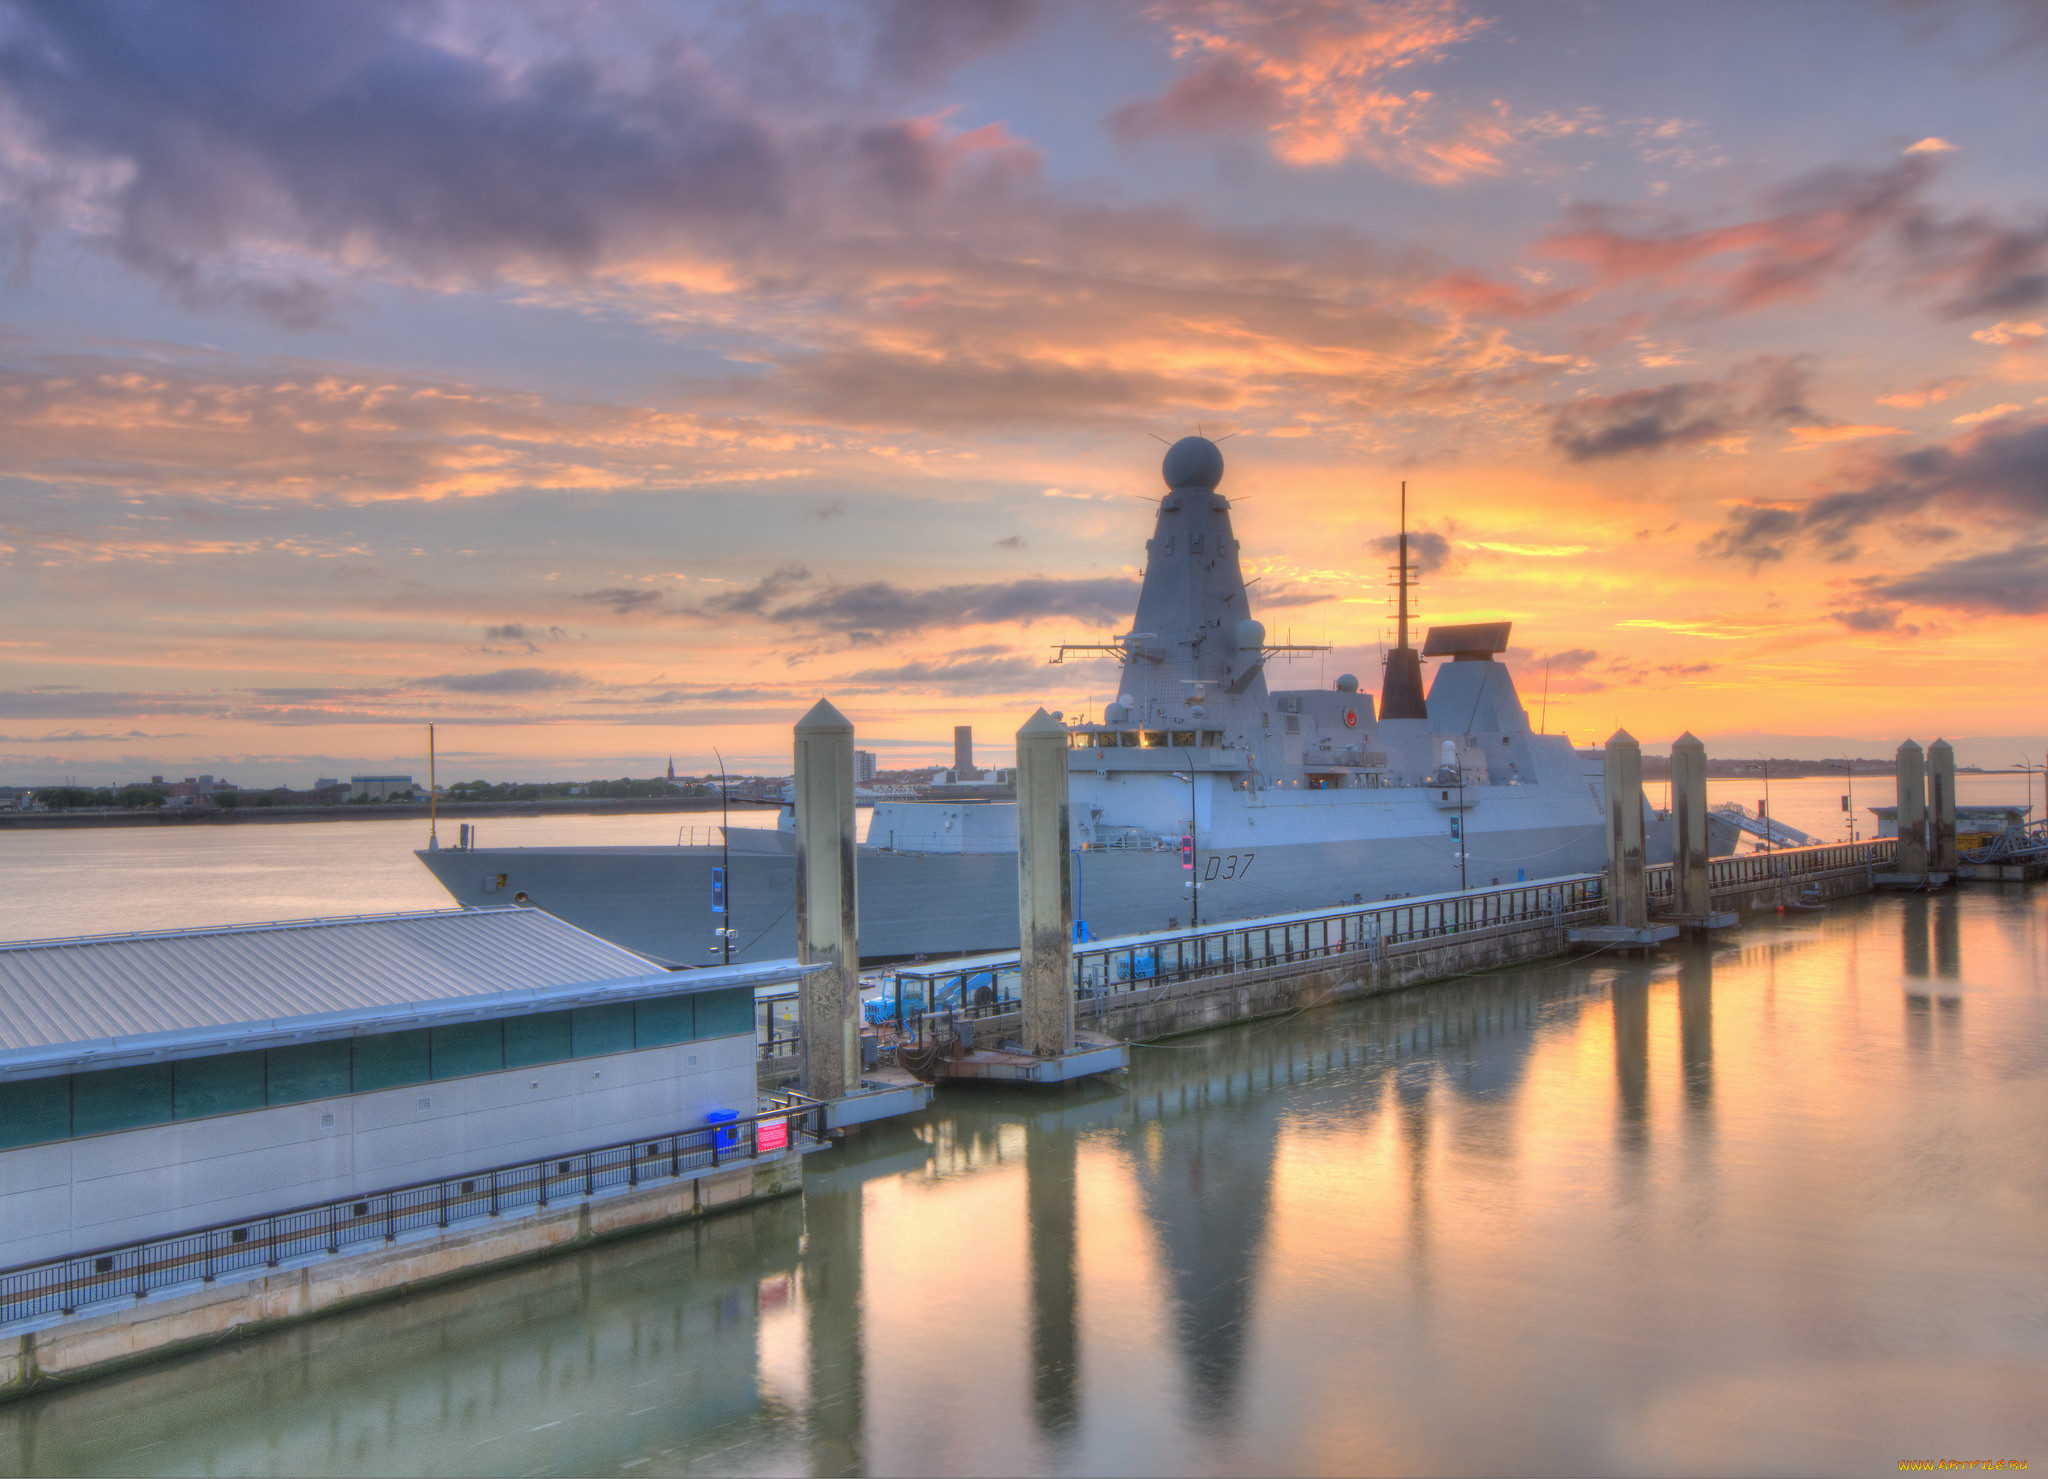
[105, 1000]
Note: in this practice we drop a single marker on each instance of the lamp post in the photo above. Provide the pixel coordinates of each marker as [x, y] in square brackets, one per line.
[1464, 826]
[1767, 803]
[724, 902]
[1194, 847]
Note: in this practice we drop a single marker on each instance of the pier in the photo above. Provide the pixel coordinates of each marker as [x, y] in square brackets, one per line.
[1052, 1012]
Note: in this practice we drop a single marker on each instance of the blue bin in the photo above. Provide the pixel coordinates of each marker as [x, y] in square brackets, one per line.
[726, 1134]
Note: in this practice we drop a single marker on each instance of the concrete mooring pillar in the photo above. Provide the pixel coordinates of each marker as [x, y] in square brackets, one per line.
[1941, 806]
[1627, 901]
[1045, 887]
[1689, 826]
[1912, 810]
[827, 919]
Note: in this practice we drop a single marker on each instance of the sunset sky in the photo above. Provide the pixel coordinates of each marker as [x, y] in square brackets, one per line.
[612, 381]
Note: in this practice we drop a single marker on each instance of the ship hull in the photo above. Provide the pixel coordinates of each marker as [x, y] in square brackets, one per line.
[656, 900]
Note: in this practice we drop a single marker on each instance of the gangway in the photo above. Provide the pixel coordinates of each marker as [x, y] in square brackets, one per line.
[2026, 844]
[1772, 831]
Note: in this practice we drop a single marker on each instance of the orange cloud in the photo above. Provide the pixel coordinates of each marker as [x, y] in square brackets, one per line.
[1804, 437]
[1312, 75]
[299, 431]
[1929, 393]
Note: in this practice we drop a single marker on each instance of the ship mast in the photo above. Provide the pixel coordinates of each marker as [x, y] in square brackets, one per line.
[1401, 685]
[1401, 636]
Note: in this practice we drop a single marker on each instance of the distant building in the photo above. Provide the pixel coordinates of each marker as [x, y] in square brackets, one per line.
[963, 750]
[863, 766]
[381, 787]
[319, 785]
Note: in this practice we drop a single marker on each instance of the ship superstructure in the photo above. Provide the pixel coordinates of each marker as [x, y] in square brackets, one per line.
[1202, 793]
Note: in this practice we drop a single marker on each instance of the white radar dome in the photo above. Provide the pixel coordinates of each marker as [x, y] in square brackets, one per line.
[1348, 683]
[1193, 462]
[1250, 635]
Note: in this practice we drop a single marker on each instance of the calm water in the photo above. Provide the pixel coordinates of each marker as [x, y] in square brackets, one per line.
[114, 879]
[106, 881]
[1770, 1206]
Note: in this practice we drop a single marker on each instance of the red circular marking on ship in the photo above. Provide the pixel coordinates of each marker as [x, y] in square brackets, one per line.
[1351, 718]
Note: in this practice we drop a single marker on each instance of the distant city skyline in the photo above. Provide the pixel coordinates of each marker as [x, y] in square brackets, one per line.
[603, 383]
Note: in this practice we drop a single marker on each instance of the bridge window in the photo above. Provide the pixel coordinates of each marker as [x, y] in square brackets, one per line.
[1128, 739]
[1212, 739]
[1154, 739]
[1184, 737]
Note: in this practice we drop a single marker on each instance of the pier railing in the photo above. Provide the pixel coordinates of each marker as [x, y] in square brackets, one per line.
[61, 1286]
[930, 996]
[1780, 865]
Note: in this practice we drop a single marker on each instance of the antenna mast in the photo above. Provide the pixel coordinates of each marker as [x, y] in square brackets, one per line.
[1401, 637]
[1401, 694]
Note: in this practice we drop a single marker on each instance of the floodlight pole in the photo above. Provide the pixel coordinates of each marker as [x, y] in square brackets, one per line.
[1194, 849]
[725, 851]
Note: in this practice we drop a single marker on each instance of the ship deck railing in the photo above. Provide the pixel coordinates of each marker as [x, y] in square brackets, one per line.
[133, 1270]
[928, 997]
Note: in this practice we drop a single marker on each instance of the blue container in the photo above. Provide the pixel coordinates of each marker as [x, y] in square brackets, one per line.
[727, 1134]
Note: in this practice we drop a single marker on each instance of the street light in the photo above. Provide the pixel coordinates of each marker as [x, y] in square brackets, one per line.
[723, 901]
[1194, 847]
[1464, 824]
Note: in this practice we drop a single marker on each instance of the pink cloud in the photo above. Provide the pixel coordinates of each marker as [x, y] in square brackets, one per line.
[1314, 75]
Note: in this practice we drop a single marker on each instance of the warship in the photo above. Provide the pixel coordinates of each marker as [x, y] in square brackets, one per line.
[1203, 794]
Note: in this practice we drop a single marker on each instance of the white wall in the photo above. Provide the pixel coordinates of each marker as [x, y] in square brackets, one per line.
[77, 1195]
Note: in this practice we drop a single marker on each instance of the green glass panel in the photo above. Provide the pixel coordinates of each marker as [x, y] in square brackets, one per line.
[120, 1099]
[541, 1038]
[390, 1060]
[34, 1110]
[665, 1020]
[725, 1013]
[599, 1030]
[222, 1084]
[314, 1070]
[468, 1047]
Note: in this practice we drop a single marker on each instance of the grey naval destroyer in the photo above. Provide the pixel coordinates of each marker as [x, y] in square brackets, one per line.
[1287, 799]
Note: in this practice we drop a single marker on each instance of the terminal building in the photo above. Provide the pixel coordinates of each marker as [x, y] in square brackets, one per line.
[154, 1083]
[381, 788]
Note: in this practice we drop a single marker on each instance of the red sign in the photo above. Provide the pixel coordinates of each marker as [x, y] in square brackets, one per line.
[1187, 852]
[771, 1135]
[1351, 718]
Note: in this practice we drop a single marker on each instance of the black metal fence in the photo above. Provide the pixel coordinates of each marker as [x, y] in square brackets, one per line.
[1109, 969]
[131, 1270]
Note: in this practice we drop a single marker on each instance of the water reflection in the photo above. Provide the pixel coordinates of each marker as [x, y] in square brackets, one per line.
[1632, 1059]
[1948, 936]
[1049, 1164]
[582, 1364]
[833, 1289]
[1206, 1181]
[1457, 1229]
[1696, 1035]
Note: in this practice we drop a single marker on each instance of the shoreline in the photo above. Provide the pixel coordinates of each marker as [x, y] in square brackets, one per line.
[416, 811]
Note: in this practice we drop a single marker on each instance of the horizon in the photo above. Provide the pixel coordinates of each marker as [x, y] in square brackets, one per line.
[604, 383]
